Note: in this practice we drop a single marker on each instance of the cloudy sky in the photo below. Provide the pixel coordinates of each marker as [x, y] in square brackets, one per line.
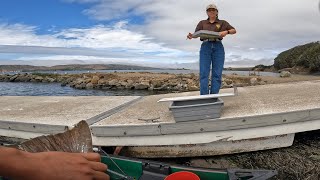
[149, 32]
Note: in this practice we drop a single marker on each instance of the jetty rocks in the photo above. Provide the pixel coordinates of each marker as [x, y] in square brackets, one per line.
[130, 80]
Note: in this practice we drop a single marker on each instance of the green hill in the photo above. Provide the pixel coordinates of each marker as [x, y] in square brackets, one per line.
[72, 67]
[306, 56]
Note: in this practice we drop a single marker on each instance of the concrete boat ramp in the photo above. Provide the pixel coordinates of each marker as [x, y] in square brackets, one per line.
[260, 117]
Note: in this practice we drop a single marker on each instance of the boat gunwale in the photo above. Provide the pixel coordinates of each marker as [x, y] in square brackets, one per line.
[212, 125]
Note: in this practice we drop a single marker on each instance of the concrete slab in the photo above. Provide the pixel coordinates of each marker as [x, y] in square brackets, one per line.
[65, 111]
[273, 98]
[144, 111]
[252, 101]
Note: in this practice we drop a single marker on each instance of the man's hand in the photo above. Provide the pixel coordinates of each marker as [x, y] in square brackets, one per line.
[57, 165]
[223, 33]
[189, 36]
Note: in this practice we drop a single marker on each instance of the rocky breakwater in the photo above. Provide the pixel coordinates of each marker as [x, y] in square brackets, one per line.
[136, 81]
[30, 78]
[130, 81]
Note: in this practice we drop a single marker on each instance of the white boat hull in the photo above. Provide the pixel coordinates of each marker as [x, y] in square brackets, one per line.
[210, 149]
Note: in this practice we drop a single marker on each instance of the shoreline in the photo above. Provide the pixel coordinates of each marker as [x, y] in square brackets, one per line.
[148, 81]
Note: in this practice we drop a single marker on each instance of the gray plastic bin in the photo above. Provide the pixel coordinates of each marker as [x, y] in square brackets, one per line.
[193, 110]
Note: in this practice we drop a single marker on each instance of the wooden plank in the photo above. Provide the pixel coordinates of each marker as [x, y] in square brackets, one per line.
[188, 98]
[207, 125]
[32, 127]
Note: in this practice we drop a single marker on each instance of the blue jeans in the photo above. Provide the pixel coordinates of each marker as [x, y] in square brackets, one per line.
[211, 53]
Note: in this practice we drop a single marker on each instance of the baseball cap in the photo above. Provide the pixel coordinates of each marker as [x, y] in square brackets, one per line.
[211, 6]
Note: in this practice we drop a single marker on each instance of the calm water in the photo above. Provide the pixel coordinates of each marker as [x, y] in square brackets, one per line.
[54, 89]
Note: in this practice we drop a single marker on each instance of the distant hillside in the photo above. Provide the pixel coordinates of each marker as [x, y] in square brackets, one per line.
[262, 67]
[72, 67]
[6, 68]
[305, 56]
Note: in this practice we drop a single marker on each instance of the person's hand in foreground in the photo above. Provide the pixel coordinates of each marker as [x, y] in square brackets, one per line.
[16, 164]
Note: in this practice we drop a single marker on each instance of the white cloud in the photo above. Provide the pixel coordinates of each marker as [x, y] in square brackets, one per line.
[61, 58]
[110, 9]
[270, 26]
[99, 40]
[265, 28]
[19, 34]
